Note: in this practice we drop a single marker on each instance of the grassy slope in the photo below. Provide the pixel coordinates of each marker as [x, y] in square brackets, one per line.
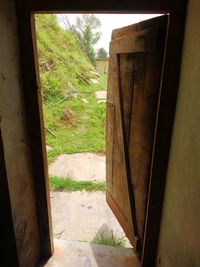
[62, 64]
[78, 126]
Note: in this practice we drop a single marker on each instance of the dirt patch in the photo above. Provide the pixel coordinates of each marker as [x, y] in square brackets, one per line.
[69, 117]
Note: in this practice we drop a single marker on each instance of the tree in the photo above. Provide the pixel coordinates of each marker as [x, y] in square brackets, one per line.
[102, 54]
[86, 32]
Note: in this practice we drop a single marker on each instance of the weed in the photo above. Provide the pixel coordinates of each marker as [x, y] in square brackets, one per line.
[105, 239]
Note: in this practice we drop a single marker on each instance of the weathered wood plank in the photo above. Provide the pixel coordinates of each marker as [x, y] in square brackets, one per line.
[110, 120]
[146, 36]
[144, 111]
[117, 181]
[126, 6]
[135, 85]
[8, 247]
[34, 123]
[142, 41]
[140, 26]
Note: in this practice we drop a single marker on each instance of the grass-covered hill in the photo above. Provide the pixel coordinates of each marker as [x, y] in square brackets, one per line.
[63, 66]
[75, 121]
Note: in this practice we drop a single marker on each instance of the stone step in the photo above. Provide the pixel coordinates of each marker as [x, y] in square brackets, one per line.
[80, 254]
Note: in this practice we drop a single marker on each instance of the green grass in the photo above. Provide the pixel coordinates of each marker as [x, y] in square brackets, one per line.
[103, 80]
[101, 86]
[78, 126]
[104, 239]
[67, 184]
[62, 64]
[93, 87]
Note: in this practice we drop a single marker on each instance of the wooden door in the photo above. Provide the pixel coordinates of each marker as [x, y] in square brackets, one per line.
[135, 67]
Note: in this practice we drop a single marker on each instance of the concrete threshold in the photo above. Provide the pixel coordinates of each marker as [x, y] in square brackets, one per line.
[81, 254]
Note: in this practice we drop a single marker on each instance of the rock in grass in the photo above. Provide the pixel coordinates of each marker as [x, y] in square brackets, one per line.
[84, 100]
[95, 81]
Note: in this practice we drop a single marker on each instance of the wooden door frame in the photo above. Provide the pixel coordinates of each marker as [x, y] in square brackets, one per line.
[8, 246]
[165, 117]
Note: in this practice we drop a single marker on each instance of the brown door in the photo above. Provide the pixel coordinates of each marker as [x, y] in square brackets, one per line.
[135, 67]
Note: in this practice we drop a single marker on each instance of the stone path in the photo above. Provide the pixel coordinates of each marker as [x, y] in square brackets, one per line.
[80, 166]
[83, 216]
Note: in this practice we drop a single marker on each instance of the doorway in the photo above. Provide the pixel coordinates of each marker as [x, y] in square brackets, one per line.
[74, 122]
[164, 99]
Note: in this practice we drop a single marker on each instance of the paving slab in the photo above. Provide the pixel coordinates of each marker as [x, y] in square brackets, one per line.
[101, 94]
[48, 148]
[95, 81]
[77, 254]
[80, 166]
[83, 216]
[101, 101]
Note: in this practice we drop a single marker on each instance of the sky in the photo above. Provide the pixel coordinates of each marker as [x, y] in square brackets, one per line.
[110, 22]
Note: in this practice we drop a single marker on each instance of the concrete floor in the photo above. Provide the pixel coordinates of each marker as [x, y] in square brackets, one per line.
[80, 254]
[83, 216]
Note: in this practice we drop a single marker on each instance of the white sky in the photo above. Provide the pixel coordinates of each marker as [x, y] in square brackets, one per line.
[112, 21]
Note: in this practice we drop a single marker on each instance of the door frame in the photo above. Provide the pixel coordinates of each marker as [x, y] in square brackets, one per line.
[165, 117]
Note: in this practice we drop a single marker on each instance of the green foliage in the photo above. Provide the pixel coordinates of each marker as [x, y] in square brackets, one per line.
[102, 54]
[61, 61]
[67, 184]
[105, 239]
[85, 29]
